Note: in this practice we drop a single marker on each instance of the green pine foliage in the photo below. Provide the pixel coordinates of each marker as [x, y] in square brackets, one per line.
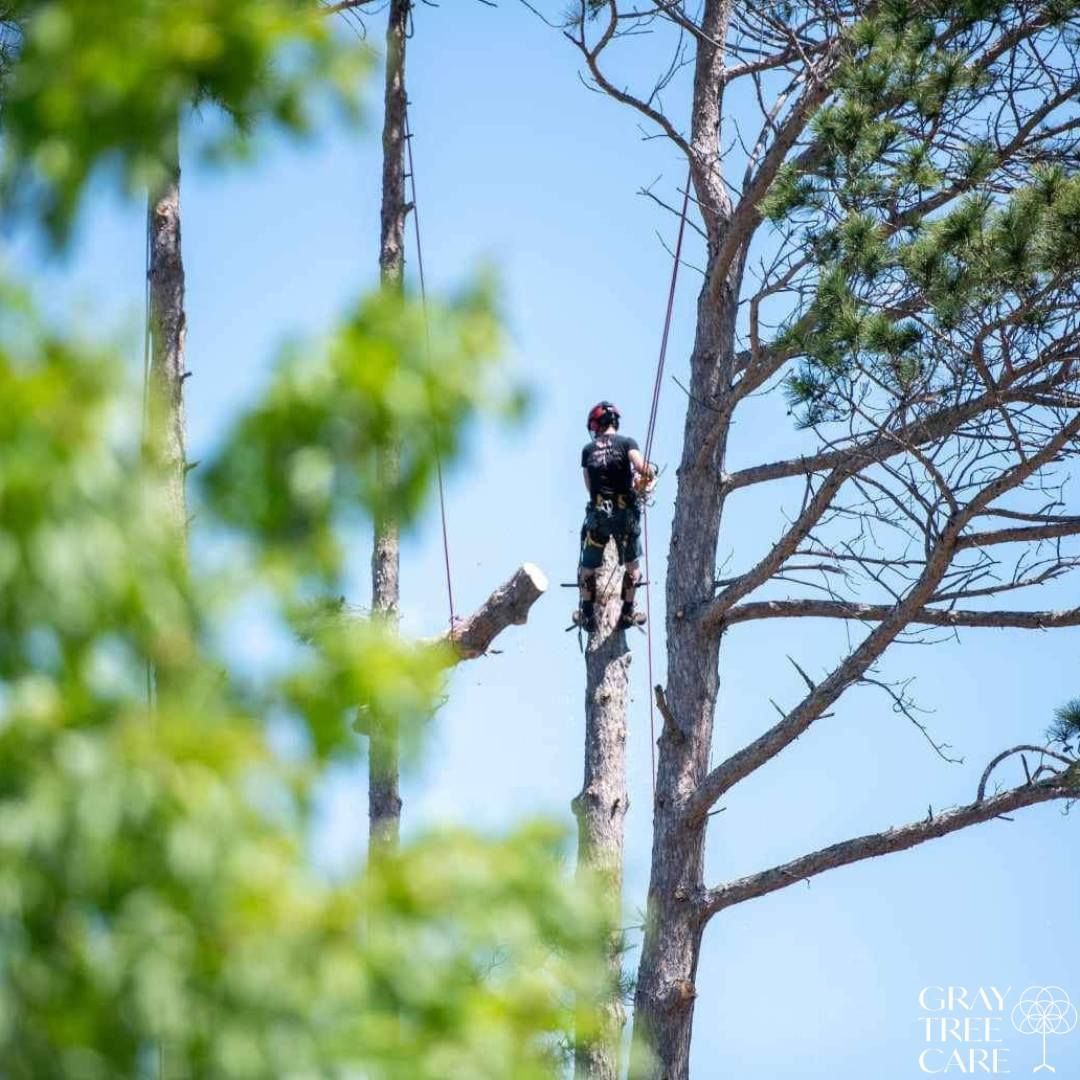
[914, 228]
[1065, 730]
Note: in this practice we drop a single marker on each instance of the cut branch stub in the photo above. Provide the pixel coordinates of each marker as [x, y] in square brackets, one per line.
[508, 605]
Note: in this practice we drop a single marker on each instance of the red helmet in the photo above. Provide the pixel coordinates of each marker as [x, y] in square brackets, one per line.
[603, 416]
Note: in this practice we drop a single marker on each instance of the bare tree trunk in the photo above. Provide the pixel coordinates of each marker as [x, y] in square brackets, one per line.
[168, 329]
[667, 972]
[384, 801]
[601, 807]
[665, 993]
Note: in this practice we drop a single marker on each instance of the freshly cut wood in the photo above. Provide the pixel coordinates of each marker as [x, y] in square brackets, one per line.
[508, 605]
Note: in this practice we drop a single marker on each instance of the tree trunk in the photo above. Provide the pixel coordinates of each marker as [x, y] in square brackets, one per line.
[168, 329]
[601, 807]
[664, 999]
[384, 802]
[667, 972]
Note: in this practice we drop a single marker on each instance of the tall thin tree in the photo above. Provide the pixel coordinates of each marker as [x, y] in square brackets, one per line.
[167, 330]
[384, 800]
[601, 806]
[509, 604]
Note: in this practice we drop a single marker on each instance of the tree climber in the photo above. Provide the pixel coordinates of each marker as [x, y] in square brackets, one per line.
[617, 477]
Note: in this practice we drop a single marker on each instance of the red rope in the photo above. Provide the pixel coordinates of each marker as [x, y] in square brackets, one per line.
[650, 433]
[427, 332]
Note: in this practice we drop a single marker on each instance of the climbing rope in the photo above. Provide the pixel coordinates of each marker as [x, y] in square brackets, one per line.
[649, 436]
[658, 382]
[427, 333]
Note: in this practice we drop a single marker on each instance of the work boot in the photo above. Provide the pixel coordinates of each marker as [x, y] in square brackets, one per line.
[630, 618]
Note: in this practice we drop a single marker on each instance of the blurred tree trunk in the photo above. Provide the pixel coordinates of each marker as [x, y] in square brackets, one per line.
[168, 330]
[384, 801]
[601, 806]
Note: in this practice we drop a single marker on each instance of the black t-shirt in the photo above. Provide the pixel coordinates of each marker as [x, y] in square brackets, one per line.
[607, 458]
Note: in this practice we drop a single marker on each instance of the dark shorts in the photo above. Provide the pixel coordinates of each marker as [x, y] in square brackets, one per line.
[617, 518]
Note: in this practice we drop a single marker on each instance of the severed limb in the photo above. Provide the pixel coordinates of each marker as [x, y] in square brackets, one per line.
[471, 637]
[508, 605]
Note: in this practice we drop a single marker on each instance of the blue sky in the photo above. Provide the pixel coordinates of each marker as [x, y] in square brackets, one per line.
[521, 167]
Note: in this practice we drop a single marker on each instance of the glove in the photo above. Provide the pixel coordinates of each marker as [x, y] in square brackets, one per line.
[645, 483]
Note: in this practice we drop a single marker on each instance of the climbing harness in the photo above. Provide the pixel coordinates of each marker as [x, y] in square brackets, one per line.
[427, 332]
[607, 517]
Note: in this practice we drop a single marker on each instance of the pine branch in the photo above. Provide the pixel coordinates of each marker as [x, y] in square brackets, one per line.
[1065, 785]
[763, 749]
[927, 616]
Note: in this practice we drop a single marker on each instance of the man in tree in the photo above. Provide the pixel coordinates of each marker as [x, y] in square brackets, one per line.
[616, 474]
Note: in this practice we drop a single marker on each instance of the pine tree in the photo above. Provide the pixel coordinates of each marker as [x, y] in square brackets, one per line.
[890, 200]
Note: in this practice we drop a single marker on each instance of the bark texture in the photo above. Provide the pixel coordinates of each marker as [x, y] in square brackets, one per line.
[664, 999]
[601, 806]
[168, 330]
[508, 605]
[384, 800]
[665, 993]
[870, 613]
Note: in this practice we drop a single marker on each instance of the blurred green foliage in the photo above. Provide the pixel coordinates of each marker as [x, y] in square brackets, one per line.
[161, 914]
[386, 378]
[99, 81]
[157, 896]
